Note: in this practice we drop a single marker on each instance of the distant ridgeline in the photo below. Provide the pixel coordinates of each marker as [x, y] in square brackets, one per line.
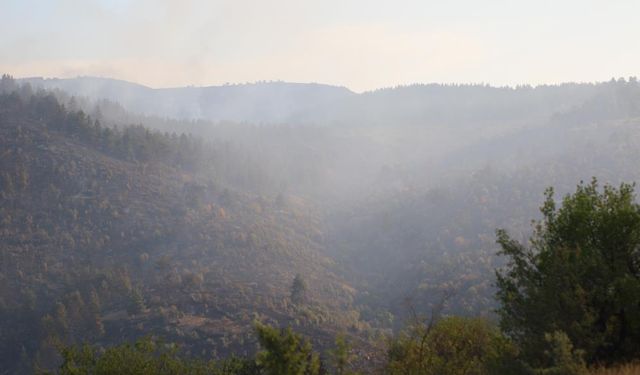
[265, 102]
[298, 103]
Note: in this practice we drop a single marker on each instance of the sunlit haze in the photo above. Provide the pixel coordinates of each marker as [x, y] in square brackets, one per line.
[360, 44]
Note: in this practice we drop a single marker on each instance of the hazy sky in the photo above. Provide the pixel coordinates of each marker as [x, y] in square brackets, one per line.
[361, 44]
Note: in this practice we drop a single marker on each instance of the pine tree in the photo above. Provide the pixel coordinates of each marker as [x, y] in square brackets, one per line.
[285, 352]
[298, 290]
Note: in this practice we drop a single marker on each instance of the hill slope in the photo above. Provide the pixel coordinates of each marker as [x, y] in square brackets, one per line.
[103, 245]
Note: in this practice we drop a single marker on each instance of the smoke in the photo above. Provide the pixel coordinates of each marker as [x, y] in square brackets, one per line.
[366, 45]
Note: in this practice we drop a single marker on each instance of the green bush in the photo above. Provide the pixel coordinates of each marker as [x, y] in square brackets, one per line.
[452, 346]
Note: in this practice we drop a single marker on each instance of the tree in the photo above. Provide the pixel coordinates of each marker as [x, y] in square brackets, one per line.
[7, 84]
[285, 352]
[298, 290]
[580, 275]
[340, 356]
[451, 346]
[136, 302]
[566, 360]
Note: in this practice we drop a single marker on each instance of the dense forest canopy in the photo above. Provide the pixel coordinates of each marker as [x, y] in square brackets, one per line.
[364, 222]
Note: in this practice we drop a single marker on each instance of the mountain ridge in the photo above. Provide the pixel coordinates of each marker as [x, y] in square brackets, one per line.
[281, 102]
[262, 102]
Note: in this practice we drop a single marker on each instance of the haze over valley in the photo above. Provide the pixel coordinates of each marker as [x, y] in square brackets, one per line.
[278, 226]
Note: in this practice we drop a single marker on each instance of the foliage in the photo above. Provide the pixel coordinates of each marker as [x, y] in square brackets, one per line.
[341, 357]
[565, 360]
[285, 352]
[581, 275]
[453, 345]
[298, 290]
[146, 356]
[136, 303]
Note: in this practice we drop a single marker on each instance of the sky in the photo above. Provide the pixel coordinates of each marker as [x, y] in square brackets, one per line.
[360, 44]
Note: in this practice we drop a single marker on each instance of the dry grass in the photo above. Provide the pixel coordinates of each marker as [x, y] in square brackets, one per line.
[628, 369]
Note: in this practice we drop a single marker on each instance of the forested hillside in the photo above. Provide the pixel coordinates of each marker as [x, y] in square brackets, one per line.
[319, 187]
[370, 217]
[109, 234]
